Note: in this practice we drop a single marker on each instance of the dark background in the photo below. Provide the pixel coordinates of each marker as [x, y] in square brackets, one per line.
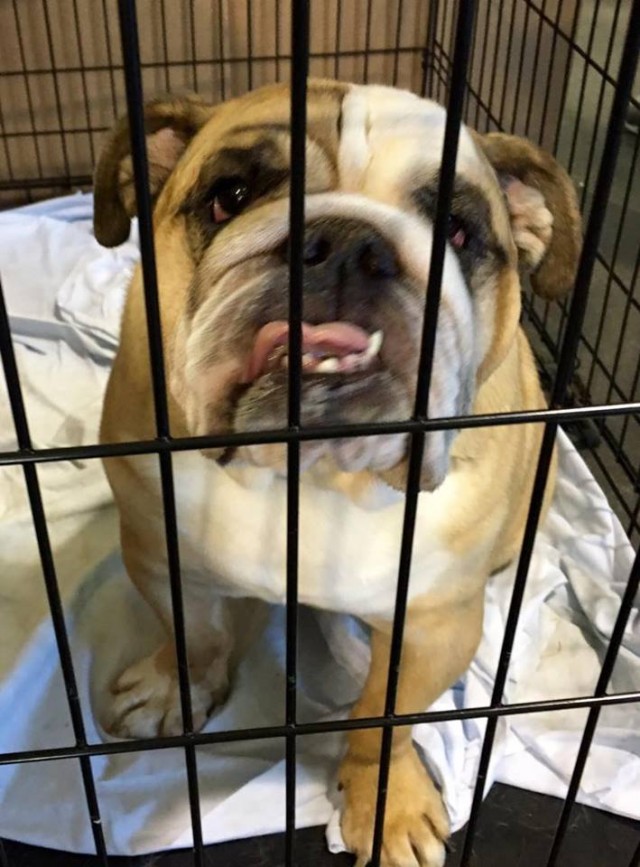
[515, 830]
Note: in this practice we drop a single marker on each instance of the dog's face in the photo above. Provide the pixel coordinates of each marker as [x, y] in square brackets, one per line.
[222, 181]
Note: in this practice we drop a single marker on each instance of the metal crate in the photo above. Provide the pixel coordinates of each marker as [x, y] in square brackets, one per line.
[559, 72]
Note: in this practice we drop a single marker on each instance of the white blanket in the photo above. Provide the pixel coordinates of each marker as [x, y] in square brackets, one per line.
[65, 295]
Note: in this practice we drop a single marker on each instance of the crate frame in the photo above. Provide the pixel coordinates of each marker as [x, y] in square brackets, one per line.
[445, 69]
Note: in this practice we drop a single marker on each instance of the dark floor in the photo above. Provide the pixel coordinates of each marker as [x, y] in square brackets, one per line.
[515, 830]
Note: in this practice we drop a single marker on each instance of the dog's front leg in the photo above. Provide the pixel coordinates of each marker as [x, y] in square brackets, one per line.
[439, 643]
[146, 696]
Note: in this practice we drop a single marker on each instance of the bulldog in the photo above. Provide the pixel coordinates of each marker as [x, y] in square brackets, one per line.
[220, 179]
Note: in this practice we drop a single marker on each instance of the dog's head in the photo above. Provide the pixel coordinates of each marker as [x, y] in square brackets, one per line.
[220, 177]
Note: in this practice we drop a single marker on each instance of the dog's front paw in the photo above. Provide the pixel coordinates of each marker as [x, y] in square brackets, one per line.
[146, 697]
[416, 824]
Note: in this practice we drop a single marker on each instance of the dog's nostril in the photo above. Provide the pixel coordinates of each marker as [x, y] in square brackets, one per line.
[377, 260]
[316, 250]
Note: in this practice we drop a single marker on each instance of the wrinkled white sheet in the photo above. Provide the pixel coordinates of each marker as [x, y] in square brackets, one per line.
[65, 295]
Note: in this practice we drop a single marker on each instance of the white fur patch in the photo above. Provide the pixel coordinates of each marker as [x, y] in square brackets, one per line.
[349, 551]
[389, 135]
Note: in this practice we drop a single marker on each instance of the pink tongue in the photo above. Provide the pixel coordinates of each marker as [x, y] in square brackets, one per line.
[333, 338]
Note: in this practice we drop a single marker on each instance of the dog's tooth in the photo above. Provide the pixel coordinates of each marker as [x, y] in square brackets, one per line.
[329, 365]
[375, 344]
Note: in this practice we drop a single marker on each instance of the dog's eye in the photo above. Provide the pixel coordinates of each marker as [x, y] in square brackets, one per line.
[229, 197]
[458, 236]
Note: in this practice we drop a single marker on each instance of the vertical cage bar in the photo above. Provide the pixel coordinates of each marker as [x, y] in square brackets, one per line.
[54, 600]
[560, 387]
[396, 56]
[338, 41]
[610, 282]
[472, 56]
[445, 62]
[633, 523]
[483, 64]
[277, 38]
[429, 56]
[636, 378]
[464, 31]
[5, 147]
[299, 74]
[534, 71]
[508, 55]
[27, 87]
[107, 36]
[137, 133]
[629, 305]
[192, 32]
[367, 40]
[223, 76]
[133, 85]
[603, 87]
[550, 68]
[165, 42]
[523, 52]
[249, 8]
[531, 527]
[565, 86]
[602, 190]
[494, 70]
[606, 671]
[56, 89]
[583, 90]
[462, 49]
[83, 79]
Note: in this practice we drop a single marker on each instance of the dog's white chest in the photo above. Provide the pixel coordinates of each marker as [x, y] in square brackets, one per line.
[235, 534]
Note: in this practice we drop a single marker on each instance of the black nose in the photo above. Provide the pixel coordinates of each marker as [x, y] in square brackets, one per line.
[345, 249]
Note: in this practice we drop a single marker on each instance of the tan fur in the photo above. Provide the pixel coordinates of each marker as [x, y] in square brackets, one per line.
[434, 655]
[482, 530]
[170, 123]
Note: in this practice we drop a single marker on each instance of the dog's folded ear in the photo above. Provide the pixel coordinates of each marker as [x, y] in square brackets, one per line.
[170, 124]
[545, 217]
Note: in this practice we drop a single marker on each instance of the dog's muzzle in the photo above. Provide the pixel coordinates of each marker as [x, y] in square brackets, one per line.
[347, 263]
[362, 307]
